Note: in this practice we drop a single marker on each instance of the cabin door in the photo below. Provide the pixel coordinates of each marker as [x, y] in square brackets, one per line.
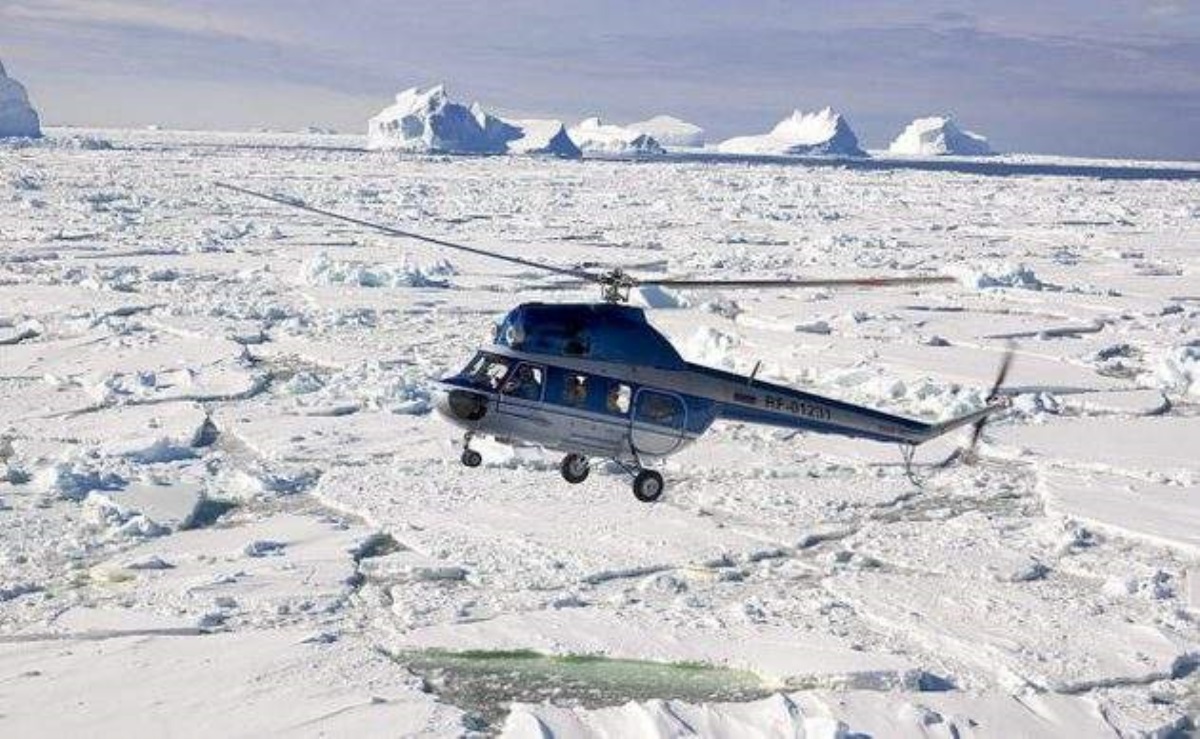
[657, 423]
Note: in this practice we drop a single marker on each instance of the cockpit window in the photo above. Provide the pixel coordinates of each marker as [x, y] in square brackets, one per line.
[526, 382]
[487, 371]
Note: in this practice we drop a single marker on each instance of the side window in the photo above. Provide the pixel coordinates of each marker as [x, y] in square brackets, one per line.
[575, 389]
[525, 382]
[659, 409]
[618, 398]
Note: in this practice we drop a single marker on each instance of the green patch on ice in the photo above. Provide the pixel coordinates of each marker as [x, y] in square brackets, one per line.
[484, 683]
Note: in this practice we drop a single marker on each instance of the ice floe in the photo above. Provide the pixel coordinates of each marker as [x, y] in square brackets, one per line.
[322, 269]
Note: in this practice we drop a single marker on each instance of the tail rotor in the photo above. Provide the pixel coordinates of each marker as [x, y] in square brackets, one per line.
[996, 401]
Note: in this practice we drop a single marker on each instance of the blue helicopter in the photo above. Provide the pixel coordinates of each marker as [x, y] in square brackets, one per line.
[597, 381]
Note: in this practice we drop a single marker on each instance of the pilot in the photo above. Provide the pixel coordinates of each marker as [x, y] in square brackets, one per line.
[525, 383]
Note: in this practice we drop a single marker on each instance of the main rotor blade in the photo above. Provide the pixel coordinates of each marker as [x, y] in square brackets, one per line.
[798, 283]
[298, 204]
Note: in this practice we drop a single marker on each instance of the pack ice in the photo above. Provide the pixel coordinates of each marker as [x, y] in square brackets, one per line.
[226, 507]
[17, 116]
[824, 132]
[427, 121]
[937, 136]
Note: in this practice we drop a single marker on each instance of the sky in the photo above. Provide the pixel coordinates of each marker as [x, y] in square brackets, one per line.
[1079, 77]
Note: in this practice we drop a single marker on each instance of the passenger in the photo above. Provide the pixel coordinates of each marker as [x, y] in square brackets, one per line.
[576, 390]
[616, 401]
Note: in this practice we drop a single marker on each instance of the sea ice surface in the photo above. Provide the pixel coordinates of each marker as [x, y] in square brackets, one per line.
[227, 506]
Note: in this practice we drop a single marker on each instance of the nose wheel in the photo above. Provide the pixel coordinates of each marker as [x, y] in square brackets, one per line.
[575, 468]
[470, 457]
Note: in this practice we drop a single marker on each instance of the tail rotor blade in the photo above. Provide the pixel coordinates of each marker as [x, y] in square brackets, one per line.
[1002, 373]
[993, 397]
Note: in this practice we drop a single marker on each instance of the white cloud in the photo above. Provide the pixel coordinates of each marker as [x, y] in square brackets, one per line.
[138, 13]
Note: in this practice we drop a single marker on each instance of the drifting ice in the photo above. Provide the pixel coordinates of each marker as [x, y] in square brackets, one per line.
[824, 133]
[427, 121]
[938, 136]
[17, 116]
[670, 131]
[596, 137]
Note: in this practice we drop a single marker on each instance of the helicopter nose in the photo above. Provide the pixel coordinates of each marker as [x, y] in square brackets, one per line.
[462, 406]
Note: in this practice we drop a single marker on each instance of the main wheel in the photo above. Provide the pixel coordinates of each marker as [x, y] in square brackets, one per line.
[648, 486]
[471, 458]
[575, 468]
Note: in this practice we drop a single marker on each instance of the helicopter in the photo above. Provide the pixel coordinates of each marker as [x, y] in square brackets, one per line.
[598, 381]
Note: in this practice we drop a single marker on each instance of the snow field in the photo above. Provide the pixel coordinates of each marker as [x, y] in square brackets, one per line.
[220, 475]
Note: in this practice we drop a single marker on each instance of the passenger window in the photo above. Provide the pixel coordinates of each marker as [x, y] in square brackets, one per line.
[526, 382]
[619, 395]
[575, 389]
[659, 409]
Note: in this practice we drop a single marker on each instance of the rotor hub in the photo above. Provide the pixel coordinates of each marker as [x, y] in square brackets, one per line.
[615, 286]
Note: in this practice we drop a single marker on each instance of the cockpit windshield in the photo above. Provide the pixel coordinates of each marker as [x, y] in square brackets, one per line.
[487, 371]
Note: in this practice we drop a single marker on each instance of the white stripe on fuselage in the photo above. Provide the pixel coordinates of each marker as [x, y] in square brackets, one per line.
[548, 424]
[786, 406]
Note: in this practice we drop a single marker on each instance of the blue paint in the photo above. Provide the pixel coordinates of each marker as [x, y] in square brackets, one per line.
[600, 332]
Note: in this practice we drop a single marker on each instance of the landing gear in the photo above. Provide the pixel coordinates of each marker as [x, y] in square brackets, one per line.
[470, 457]
[648, 486]
[575, 468]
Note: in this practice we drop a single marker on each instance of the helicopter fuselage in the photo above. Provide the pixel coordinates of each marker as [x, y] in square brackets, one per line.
[596, 379]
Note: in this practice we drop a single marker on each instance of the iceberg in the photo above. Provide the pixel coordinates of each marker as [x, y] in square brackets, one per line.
[545, 137]
[824, 133]
[938, 136]
[593, 136]
[429, 122]
[670, 131]
[17, 116]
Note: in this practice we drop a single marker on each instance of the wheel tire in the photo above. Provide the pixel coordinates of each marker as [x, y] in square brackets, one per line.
[575, 468]
[648, 486]
[471, 458]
